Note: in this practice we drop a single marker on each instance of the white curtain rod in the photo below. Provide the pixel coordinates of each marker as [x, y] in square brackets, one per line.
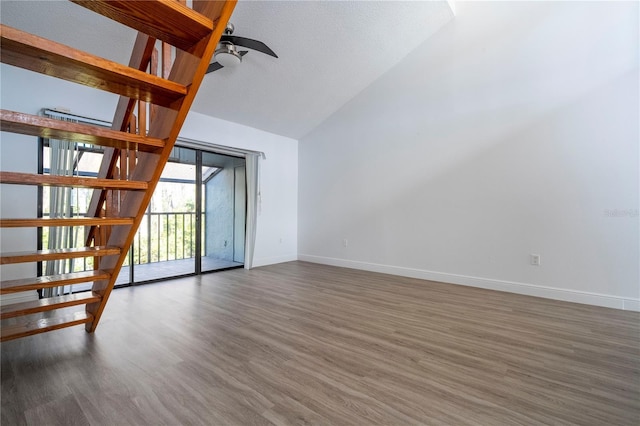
[220, 149]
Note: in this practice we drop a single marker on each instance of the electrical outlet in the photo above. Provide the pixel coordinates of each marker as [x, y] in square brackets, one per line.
[535, 259]
[345, 243]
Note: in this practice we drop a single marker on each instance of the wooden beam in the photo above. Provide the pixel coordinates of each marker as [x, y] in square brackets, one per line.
[166, 60]
[140, 57]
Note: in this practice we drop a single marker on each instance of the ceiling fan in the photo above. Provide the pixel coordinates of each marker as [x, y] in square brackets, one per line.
[226, 53]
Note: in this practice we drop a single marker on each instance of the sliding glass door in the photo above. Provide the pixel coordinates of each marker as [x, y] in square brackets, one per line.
[165, 244]
[196, 219]
[223, 187]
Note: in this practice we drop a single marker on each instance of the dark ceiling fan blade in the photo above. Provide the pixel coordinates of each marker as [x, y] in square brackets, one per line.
[215, 66]
[250, 43]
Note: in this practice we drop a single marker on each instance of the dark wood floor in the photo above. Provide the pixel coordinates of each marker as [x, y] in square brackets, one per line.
[299, 343]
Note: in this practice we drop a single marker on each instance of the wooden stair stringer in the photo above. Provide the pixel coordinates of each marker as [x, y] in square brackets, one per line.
[140, 59]
[189, 71]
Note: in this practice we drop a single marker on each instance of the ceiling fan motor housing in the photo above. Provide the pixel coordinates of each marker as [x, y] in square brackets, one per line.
[227, 55]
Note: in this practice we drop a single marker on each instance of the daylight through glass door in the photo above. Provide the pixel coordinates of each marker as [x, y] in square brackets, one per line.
[224, 211]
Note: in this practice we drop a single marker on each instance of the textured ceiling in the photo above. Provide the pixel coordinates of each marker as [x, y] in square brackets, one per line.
[328, 52]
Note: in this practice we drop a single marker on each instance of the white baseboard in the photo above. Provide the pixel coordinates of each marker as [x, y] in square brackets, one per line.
[631, 305]
[264, 261]
[587, 298]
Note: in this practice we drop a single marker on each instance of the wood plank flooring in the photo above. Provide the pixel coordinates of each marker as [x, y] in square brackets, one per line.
[299, 343]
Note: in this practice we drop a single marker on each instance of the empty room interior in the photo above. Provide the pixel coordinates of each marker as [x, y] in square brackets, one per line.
[320, 212]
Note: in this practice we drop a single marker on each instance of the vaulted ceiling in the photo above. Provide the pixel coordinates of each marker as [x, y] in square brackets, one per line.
[328, 52]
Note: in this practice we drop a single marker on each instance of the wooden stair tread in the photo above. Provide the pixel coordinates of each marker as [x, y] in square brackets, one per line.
[37, 54]
[34, 125]
[70, 253]
[69, 181]
[168, 21]
[30, 326]
[48, 304]
[26, 284]
[65, 221]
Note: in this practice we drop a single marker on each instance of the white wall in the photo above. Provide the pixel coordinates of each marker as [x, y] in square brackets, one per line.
[28, 92]
[277, 224]
[512, 131]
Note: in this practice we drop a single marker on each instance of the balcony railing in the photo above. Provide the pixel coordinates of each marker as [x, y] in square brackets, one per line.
[162, 236]
[166, 236]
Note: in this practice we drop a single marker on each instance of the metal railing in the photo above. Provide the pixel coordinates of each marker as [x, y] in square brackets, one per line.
[166, 236]
[162, 236]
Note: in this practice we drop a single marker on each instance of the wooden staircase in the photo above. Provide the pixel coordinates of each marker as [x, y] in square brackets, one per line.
[134, 156]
